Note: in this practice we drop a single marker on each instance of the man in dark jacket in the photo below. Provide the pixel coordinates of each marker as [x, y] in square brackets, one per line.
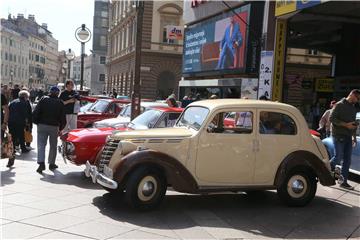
[343, 130]
[49, 116]
[19, 117]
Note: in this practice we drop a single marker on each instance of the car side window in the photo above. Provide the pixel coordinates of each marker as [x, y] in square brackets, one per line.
[276, 123]
[240, 122]
[111, 108]
[168, 120]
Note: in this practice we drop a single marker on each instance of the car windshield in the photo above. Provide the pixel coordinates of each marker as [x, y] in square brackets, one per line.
[193, 117]
[146, 120]
[86, 107]
[99, 106]
[125, 112]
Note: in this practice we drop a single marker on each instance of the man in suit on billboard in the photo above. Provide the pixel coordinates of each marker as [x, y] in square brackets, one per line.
[229, 45]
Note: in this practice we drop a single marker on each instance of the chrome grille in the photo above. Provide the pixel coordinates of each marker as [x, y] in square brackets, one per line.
[107, 153]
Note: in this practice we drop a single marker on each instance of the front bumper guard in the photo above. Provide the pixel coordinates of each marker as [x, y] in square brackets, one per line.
[91, 171]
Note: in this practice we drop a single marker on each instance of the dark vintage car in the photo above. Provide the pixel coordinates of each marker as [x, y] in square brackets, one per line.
[100, 110]
[81, 145]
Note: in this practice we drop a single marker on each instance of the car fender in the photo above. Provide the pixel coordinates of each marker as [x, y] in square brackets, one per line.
[176, 173]
[304, 159]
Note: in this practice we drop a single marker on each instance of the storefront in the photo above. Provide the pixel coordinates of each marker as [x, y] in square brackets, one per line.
[328, 27]
[222, 44]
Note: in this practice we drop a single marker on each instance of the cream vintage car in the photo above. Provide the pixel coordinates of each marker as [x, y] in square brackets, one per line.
[267, 146]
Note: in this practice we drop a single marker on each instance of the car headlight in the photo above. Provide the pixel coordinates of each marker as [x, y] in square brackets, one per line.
[70, 148]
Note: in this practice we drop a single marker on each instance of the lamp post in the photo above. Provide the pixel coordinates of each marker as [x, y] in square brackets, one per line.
[83, 35]
[136, 97]
[69, 56]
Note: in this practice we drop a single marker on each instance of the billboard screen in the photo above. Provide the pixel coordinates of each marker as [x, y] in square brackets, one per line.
[217, 44]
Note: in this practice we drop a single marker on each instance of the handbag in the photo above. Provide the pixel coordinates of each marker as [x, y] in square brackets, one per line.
[28, 136]
[7, 147]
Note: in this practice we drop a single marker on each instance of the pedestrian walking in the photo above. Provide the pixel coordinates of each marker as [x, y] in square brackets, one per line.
[324, 123]
[19, 117]
[15, 92]
[69, 97]
[171, 101]
[49, 116]
[344, 125]
[4, 115]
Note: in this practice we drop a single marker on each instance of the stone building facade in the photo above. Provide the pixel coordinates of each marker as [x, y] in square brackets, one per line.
[14, 50]
[160, 60]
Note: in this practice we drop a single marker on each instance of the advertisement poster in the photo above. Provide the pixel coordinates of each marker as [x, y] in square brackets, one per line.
[217, 44]
[265, 74]
[174, 32]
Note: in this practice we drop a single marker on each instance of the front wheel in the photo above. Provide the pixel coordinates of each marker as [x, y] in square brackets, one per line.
[145, 188]
[298, 188]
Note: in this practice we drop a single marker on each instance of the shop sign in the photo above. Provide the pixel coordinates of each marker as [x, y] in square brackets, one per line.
[306, 84]
[278, 71]
[265, 73]
[287, 6]
[174, 32]
[284, 6]
[324, 85]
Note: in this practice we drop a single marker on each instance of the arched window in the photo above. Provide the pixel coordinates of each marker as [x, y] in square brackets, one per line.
[170, 14]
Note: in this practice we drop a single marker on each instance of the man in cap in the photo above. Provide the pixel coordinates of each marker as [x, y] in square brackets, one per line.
[49, 115]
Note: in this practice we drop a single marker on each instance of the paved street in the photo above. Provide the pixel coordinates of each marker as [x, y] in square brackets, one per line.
[64, 204]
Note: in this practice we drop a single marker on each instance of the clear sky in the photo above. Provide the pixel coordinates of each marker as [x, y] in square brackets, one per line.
[62, 16]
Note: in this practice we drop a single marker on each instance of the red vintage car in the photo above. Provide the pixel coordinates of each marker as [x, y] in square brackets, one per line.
[100, 110]
[81, 145]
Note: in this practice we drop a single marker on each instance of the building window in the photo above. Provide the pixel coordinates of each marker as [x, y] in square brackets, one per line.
[14, 58]
[101, 77]
[6, 70]
[37, 58]
[165, 21]
[103, 41]
[11, 42]
[6, 56]
[10, 58]
[104, 23]
[102, 60]
[104, 14]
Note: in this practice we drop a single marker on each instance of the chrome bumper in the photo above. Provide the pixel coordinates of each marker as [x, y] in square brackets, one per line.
[91, 171]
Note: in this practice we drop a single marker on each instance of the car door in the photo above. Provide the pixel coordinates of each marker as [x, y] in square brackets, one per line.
[225, 154]
[277, 136]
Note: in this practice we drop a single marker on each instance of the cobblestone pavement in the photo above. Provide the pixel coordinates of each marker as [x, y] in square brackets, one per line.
[64, 204]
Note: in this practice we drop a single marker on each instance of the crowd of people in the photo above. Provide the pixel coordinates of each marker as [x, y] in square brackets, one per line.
[56, 112]
[53, 113]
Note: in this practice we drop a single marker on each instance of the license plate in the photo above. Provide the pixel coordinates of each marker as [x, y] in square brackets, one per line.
[108, 172]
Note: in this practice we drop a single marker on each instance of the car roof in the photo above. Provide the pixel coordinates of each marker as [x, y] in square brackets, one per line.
[169, 109]
[232, 102]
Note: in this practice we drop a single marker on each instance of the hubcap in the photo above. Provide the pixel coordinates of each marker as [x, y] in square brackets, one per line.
[147, 188]
[297, 186]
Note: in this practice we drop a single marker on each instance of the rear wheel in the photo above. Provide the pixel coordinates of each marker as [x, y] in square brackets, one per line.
[145, 188]
[298, 188]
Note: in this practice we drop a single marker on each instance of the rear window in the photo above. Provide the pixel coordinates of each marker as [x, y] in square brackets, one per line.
[276, 123]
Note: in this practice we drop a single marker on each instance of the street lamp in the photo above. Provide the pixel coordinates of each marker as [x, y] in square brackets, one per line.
[83, 35]
[136, 97]
[69, 56]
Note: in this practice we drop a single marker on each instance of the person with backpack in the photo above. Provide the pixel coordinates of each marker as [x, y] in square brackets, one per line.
[49, 115]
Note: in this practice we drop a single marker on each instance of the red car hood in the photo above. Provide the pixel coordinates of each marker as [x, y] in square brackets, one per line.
[89, 134]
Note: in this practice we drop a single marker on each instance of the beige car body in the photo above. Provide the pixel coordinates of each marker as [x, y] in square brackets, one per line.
[223, 161]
